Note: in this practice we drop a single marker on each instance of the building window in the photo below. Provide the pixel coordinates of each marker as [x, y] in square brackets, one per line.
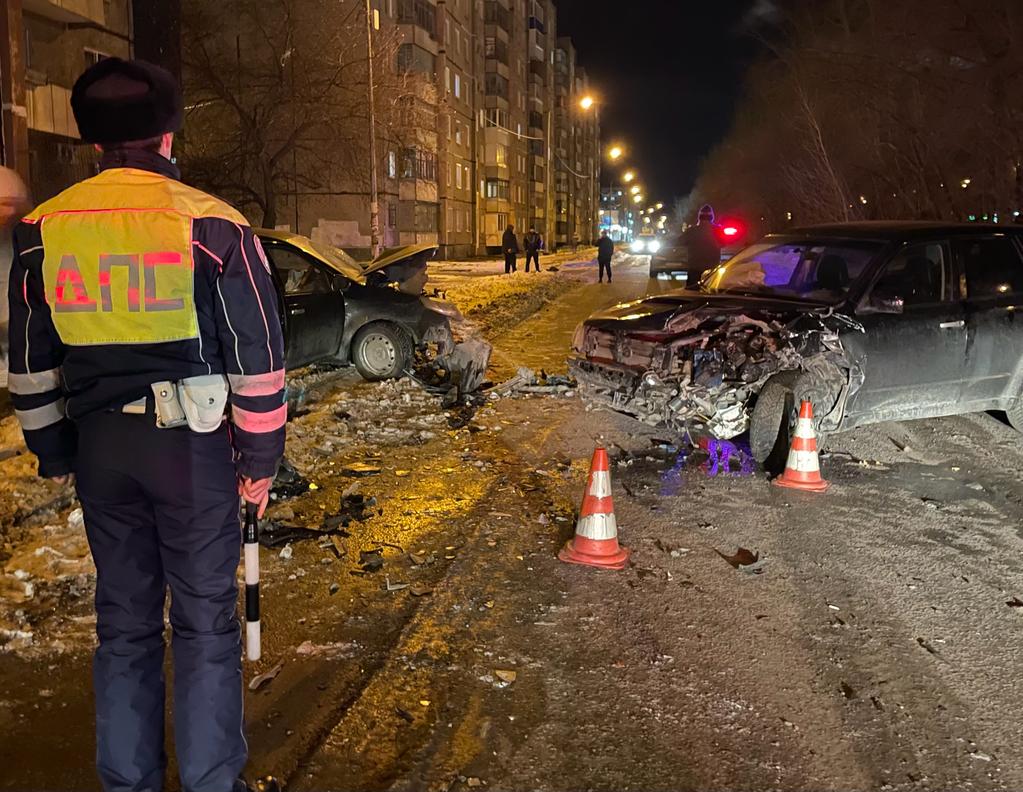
[502, 220]
[419, 165]
[458, 86]
[392, 214]
[92, 57]
[498, 188]
[418, 12]
[392, 165]
[496, 85]
[413, 59]
[458, 175]
[500, 154]
[497, 117]
[427, 215]
[458, 133]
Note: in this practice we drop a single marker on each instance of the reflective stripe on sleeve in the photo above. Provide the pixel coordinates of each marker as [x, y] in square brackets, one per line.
[34, 382]
[259, 422]
[41, 417]
[268, 384]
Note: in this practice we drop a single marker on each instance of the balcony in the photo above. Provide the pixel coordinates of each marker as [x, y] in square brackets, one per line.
[496, 14]
[68, 11]
[49, 110]
[538, 69]
[420, 13]
[496, 85]
[536, 48]
[496, 49]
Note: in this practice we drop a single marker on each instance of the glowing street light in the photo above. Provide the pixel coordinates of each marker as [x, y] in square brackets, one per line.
[637, 199]
[628, 177]
[587, 102]
[660, 206]
[615, 152]
[634, 189]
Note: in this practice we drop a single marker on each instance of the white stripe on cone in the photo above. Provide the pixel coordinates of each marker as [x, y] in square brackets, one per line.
[803, 462]
[804, 429]
[599, 527]
[601, 485]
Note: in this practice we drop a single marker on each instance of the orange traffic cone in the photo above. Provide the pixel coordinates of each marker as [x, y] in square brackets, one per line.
[803, 469]
[596, 534]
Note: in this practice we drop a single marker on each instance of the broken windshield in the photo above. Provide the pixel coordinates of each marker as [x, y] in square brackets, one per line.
[818, 270]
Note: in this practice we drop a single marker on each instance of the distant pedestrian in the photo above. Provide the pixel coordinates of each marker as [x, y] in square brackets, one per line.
[533, 243]
[702, 244]
[510, 244]
[605, 251]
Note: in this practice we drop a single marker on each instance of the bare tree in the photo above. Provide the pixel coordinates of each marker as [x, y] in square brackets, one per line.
[276, 93]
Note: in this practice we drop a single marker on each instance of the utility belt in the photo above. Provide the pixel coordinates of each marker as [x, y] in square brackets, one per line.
[196, 402]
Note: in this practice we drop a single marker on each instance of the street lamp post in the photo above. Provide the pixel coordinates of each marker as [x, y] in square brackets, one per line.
[374, 197]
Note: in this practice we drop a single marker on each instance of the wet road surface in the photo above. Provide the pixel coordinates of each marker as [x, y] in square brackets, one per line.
[874, 648]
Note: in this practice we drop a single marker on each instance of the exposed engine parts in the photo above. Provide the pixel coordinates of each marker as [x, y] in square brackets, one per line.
[704, 368]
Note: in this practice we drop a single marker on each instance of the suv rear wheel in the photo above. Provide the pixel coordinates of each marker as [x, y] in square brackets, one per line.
[382, 351]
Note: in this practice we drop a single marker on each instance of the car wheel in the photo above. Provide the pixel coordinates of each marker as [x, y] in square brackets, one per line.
[382, 351]
[771, 422]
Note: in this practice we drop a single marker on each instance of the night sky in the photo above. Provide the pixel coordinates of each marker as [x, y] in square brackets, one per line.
[668, 73]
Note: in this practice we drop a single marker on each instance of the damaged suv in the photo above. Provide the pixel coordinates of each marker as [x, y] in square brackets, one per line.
[869, 321]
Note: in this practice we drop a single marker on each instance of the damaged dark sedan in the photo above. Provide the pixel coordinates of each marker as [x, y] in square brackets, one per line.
[870, 321]
[371, 315]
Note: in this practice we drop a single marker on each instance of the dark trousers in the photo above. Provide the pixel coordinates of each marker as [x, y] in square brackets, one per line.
[533, 255]
[161, 511]
[604, 266]
[509, 263]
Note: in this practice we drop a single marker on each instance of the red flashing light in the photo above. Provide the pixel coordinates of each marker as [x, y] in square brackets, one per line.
[731, 231]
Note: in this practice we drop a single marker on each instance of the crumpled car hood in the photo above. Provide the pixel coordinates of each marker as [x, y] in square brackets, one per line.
[685, 358]
[666, 311]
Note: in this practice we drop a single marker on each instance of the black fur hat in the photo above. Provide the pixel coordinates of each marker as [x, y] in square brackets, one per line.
[117, 101]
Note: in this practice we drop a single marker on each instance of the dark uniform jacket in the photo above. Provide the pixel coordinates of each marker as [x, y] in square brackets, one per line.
[703, 247]
[533, 242]
[510, 242]
[605, 249]
[131, 278]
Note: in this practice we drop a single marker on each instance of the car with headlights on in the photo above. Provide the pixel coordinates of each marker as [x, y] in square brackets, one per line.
[646, 244]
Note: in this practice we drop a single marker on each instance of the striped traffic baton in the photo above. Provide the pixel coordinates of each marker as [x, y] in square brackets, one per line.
[252, 628]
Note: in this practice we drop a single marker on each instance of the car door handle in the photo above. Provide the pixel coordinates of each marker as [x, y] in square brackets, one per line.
[297, 311]
[952, 325]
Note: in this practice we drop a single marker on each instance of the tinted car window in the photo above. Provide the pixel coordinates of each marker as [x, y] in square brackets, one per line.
[298, 274]
[815, 270]
[992, 266]
[919, 274]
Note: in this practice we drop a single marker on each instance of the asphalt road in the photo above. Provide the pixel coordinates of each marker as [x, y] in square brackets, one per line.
[875, 649]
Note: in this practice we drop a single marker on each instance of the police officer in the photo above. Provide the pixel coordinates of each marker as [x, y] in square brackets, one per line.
[702, 244]
[139, 306]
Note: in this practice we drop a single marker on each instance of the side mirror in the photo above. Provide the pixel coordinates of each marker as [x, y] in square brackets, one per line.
[880, 302]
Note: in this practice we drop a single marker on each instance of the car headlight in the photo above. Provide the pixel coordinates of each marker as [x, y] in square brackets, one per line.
[637, 246]
[653, 246]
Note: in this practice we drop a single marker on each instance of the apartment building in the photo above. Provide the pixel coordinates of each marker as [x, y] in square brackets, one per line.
[487, 133]
[47, 44]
